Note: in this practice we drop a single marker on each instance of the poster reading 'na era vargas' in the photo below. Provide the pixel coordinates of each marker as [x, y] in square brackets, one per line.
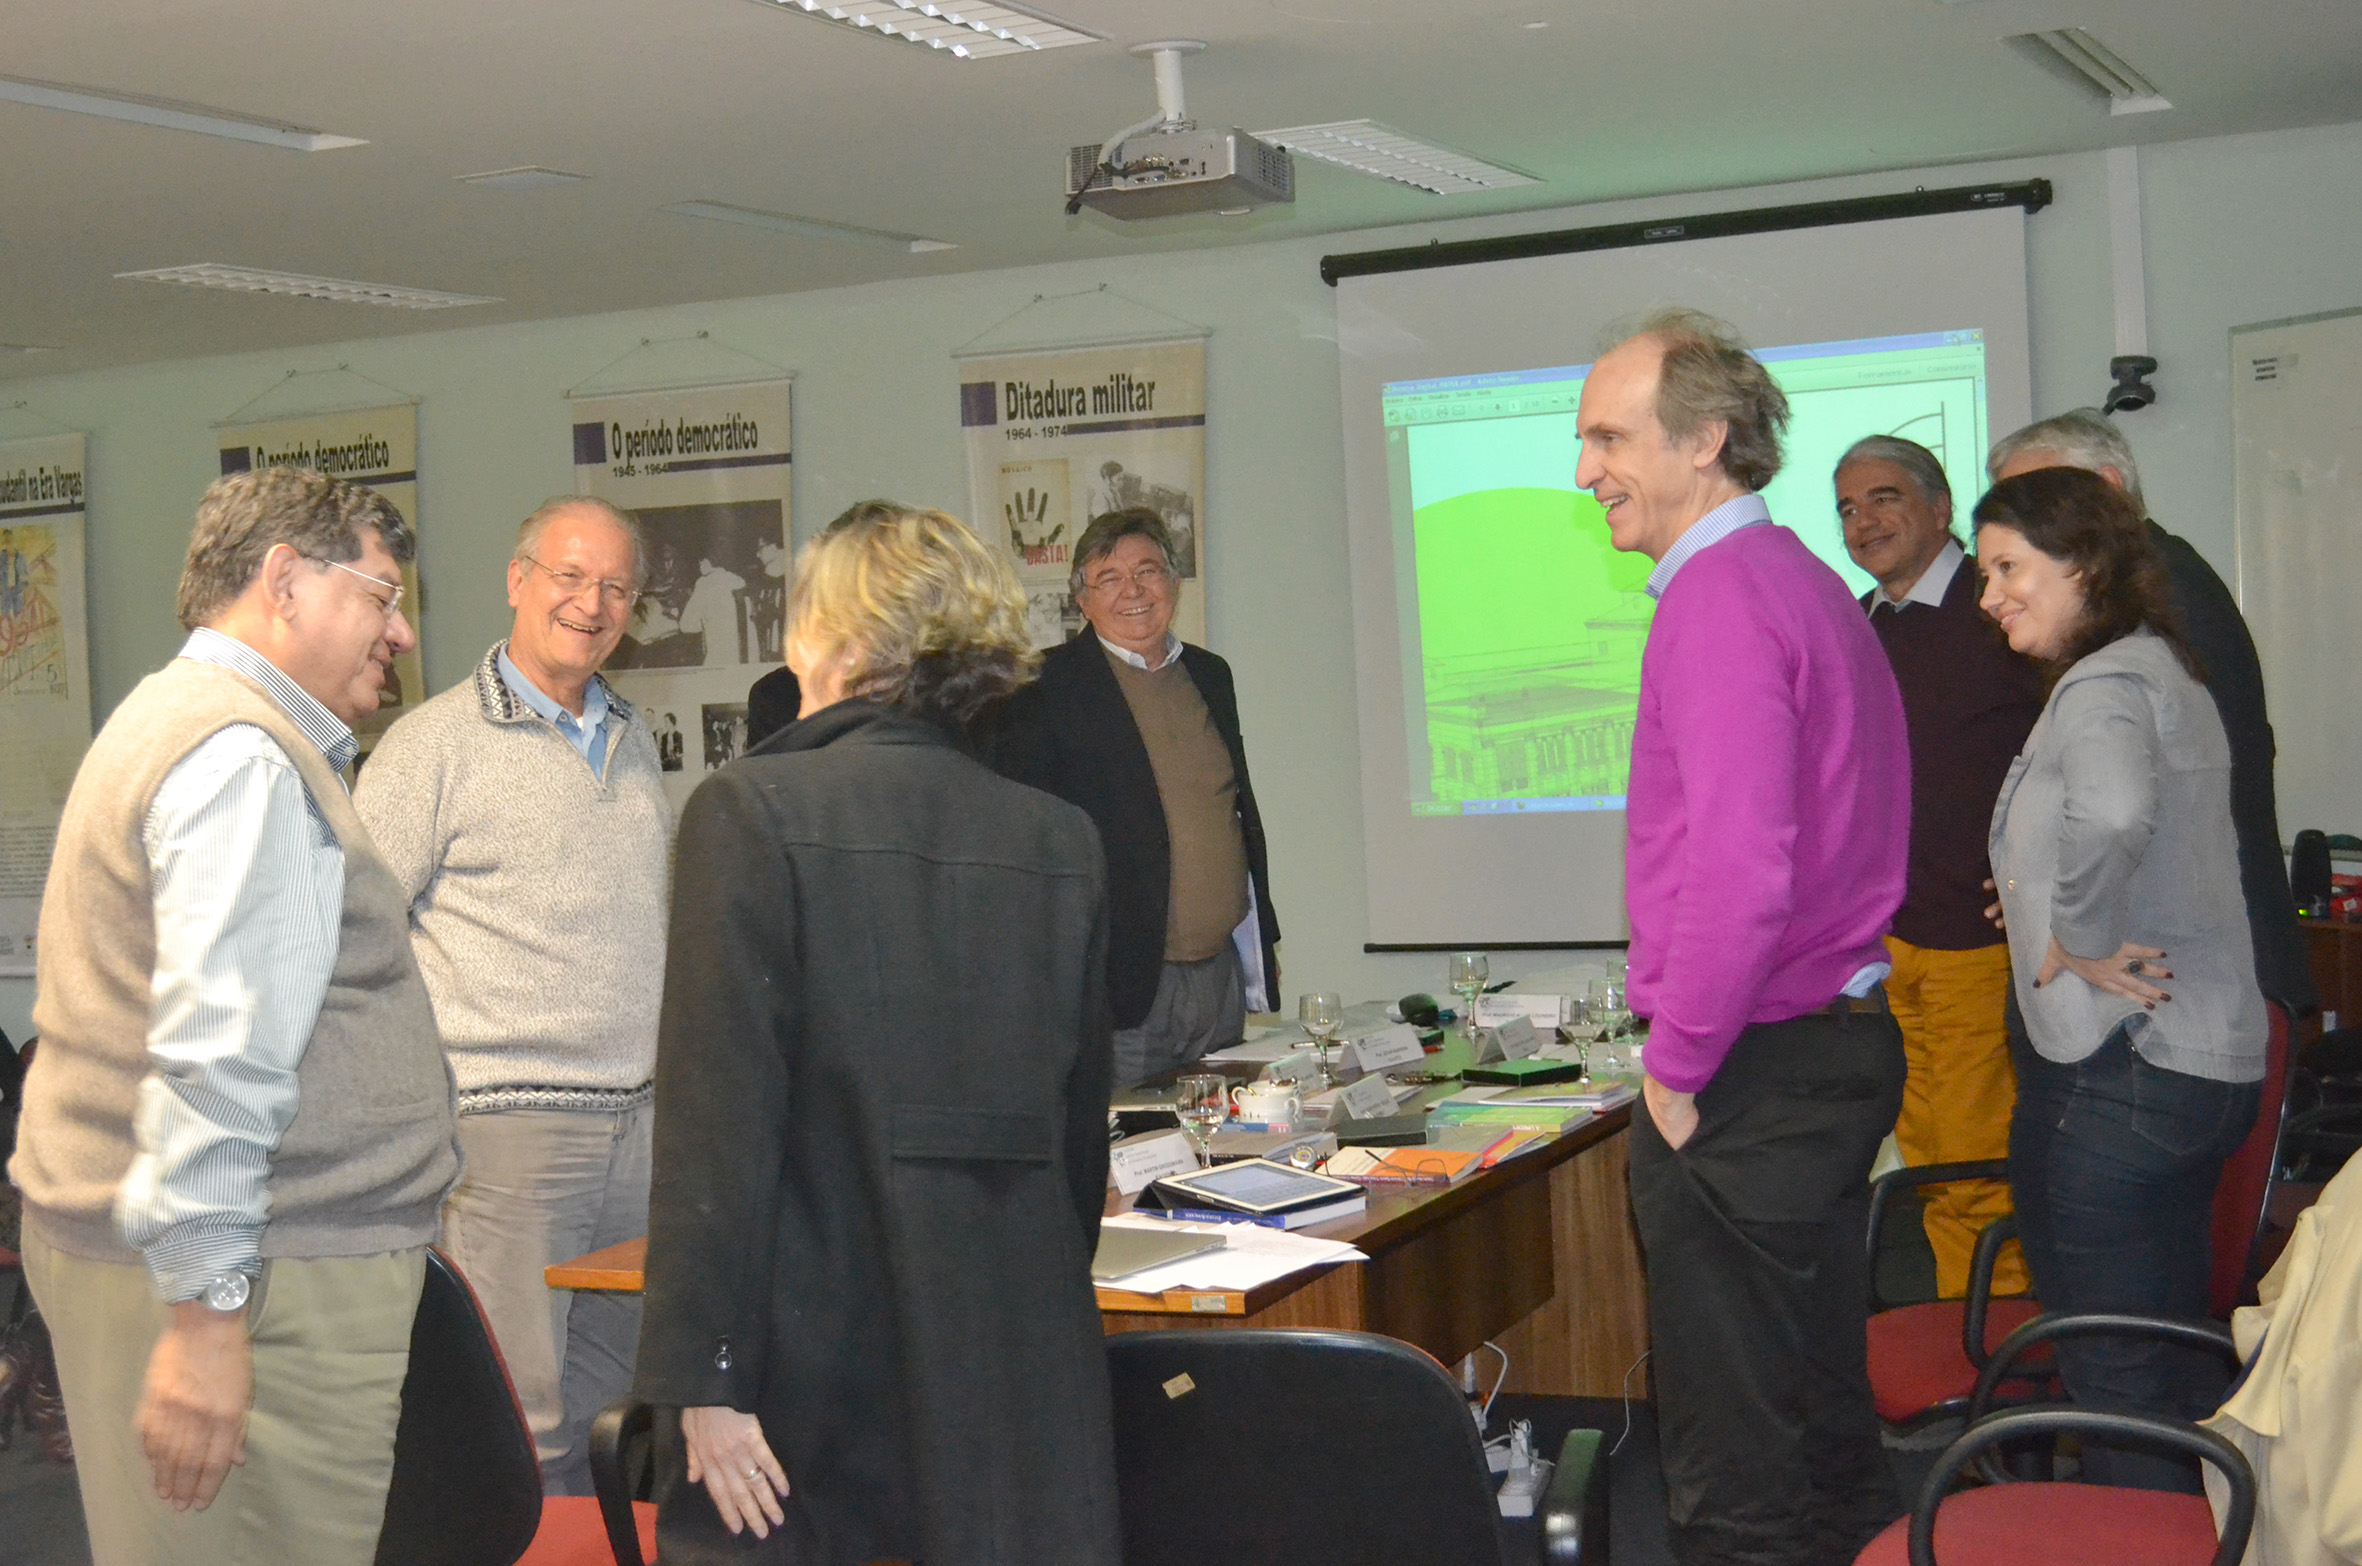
[45, 707]
[1059, 436]
[376, 447]
[706, 471]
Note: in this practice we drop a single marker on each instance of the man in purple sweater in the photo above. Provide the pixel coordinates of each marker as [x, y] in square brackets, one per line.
[1768, 816]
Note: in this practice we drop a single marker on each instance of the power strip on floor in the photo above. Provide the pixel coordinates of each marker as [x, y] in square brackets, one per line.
[1522, 1490]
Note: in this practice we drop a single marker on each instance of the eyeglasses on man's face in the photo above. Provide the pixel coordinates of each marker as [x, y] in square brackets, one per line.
[388, 595]
[1150, 578]
[571, 583]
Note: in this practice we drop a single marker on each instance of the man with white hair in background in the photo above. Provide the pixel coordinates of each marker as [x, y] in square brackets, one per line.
[524, 814]
[2087, 438]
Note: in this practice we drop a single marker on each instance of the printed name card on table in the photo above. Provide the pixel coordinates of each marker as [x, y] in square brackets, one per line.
[1395, 1046]
[1368, 1099]
[1545, 1011]
[1137, 1160]
[1518, 1037]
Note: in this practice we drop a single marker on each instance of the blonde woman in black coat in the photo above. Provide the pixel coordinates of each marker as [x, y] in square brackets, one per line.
[881, 1100]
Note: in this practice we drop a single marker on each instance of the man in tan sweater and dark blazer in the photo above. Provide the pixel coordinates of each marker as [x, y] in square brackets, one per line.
[237, 1134]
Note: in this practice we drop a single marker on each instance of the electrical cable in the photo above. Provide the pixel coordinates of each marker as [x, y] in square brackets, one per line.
[1485, 1415]
[1627, 1435]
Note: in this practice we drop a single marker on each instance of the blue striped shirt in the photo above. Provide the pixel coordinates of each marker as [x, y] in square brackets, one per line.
[249, 891]
[1711, 529]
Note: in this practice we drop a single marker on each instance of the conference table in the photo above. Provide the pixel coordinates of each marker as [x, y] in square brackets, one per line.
[1536, 1254]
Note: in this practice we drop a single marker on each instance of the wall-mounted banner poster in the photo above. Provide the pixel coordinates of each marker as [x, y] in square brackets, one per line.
[1058, 436]
[44, 672]
[373, 446]
[707, 471]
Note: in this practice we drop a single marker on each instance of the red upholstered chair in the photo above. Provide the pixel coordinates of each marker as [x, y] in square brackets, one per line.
[1925, 1358]
[2046, 1523]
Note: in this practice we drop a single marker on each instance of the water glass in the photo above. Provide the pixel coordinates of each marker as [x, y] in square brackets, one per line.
[1468, 973]
[1202, 1102]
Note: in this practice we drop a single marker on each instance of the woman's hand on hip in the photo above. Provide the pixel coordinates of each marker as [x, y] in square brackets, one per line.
[2129, 973]
[1993, 909]
[728, 1455]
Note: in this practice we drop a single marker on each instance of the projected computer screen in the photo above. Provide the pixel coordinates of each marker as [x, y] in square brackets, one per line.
[1523, 625]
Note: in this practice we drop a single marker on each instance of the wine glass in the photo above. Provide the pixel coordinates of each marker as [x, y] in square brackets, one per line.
[1202, 1102]
[1321, 1013]
[1469, 970]
[1605, 1001]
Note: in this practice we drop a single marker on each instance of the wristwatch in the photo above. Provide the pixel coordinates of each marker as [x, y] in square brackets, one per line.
[227, 1292]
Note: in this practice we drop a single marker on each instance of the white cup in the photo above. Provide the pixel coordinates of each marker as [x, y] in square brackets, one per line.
[1274, 1104]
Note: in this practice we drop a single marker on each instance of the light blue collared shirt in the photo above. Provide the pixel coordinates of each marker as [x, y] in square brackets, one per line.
[249, 894]
[1711, 529]
[588, 734]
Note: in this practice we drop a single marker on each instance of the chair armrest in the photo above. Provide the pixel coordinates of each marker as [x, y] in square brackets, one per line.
[1990, 1239]
[2045, 1329]
[612, 1434]
[2017, 1424]
[1883, 1188]
[1574, 1508]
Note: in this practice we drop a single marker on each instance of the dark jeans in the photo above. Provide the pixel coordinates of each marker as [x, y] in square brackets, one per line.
[2113, 1163]
[1758, 1289]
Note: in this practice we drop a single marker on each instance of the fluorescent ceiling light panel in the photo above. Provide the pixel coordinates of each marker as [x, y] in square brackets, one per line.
[530, 177]
[337, 290]
[171, 116]
[1366, 147]
[962, 31]
[26, 348]
[808, 228]
[2081, 59]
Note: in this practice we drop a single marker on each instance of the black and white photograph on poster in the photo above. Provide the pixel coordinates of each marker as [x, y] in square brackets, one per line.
[1122, 486]
[716, 590]
[706, 471]
[1058, 436]
[667, 728]
[725, 733]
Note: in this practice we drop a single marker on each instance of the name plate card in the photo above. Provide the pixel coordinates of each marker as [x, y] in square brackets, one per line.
[1368, 1099]
[1137, 1160]
[1545, 1011]
[1518, 1037]
[1395, 1046]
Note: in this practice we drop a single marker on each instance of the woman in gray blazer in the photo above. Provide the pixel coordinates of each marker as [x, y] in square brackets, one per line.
[2140, 1053]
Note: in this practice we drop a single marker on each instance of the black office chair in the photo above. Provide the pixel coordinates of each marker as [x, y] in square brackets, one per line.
[1346, 1446]
[466, 1487]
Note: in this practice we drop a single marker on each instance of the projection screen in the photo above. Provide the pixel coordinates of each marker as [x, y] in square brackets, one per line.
[1497, 633]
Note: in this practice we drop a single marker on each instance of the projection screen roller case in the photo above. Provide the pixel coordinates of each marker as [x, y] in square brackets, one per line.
[1498, 634]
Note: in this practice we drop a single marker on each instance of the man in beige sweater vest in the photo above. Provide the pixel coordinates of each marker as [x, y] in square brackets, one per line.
[238, 1131]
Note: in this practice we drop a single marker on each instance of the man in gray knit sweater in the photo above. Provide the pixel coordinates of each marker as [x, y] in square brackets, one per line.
[524, 814]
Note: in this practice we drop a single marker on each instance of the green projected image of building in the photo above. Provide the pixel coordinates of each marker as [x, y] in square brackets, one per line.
[1524, 625]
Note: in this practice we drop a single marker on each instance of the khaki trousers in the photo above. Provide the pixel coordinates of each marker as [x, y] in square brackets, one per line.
[331, 1347]
[1957, 1097]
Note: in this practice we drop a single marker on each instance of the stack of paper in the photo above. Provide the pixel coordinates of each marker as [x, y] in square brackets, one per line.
[1252, 1256]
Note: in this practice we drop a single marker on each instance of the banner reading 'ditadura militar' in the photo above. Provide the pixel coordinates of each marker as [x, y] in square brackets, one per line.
[1058, 436]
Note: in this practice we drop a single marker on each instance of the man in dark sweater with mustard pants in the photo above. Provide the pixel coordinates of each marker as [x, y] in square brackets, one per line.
[1969, 702]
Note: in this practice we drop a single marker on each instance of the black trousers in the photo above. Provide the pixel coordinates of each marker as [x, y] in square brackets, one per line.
[1758, 1289]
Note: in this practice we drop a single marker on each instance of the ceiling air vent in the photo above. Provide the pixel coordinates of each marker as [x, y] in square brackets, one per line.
[2075, 56]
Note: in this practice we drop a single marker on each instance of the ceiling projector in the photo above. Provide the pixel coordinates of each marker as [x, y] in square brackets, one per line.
[1166, 167]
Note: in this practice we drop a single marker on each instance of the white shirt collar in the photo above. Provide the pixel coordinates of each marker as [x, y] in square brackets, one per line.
[1172, 651]
[1933, 583]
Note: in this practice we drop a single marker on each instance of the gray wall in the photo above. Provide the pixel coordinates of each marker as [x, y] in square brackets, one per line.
[2239, 229]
